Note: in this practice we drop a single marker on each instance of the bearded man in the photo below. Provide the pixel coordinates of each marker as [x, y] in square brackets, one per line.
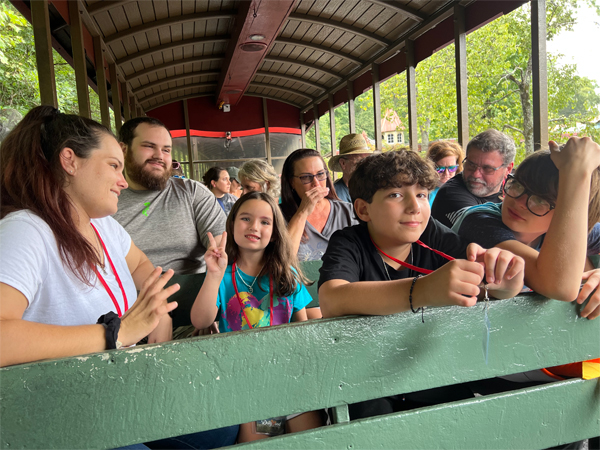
[168, 218]
[490, 158]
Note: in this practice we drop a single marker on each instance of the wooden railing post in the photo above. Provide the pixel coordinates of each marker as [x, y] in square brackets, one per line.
[43, 52]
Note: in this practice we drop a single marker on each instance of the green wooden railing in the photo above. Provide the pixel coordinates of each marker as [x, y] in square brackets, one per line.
[121, 397]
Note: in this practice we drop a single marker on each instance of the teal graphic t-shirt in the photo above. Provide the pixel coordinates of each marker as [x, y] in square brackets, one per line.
[256, 304]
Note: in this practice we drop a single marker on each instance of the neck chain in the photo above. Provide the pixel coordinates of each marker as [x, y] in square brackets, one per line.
[249, 286]
[385, 264]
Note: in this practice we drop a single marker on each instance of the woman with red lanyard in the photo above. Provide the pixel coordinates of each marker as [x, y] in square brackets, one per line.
[262, 287]
[68, 271]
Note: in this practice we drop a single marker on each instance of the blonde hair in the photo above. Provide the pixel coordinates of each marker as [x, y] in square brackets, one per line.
[263, 173]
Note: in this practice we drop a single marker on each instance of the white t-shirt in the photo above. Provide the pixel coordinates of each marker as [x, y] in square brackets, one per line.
[30, 262]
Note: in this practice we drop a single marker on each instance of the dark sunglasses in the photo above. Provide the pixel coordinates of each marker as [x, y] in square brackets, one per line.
[442, 169]
[535, 204]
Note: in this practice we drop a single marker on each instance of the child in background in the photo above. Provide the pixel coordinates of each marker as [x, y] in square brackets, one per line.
[262, 286]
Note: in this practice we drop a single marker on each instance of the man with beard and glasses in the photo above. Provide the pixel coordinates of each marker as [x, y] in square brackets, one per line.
[490, 159]
[168, 218]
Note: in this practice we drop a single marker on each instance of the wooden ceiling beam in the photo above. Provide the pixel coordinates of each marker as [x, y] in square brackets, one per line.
[177, 89]
[340, 26]
[318, 48]
[257, 25]
[172, 45]
[167, 22]
[175, 63]
[184, 77]
[401, 9]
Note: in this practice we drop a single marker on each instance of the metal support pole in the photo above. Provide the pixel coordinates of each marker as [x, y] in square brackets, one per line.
[411, 89]
[332, 125]
[460, 61]
[126, 107]
[376, 107]
[79, 63]
[116, 100]
[43, 52]
[189, 140]
[540, 73]
[351, 113]
[267, 134]
[302, 130]
[101, 80]
[317, 134]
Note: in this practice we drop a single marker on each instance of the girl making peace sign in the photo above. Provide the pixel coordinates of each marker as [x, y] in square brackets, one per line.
[261, 287]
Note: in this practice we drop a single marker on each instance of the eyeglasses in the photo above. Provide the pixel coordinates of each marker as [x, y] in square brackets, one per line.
[488, 170]
[535, 204]
[306, 179]
[175, 165]
[442, 169]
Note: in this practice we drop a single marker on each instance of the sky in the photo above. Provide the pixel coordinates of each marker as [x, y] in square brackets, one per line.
[580, 46]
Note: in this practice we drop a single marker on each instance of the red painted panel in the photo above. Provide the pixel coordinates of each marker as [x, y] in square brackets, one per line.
[62, 6]
[283, 115]
[234, 134]
[171, 115]
[246, 115]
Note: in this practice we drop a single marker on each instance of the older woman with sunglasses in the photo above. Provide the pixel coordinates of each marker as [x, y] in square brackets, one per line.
[447, 156]
[310, 205]
[549, 217]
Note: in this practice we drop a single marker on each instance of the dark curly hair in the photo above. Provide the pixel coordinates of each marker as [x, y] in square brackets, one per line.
[391, 169]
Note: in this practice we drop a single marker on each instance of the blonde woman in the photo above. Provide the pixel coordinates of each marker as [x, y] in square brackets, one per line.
[258, 175]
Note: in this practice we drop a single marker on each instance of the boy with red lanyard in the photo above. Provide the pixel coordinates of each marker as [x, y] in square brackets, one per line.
[401, 259]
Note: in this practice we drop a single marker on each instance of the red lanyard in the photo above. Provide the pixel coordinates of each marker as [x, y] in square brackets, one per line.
[112, 266]
[242, 304]
[410, 266]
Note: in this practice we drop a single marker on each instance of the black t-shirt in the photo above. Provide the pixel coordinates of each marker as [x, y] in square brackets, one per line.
[485, 229]
[488, 230]
[453, 196]
[351, 255]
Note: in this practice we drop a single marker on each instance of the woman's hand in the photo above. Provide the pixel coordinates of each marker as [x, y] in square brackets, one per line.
[580, 155]
[592, 309]
[215, 256]
[151, 305]
[310, 199]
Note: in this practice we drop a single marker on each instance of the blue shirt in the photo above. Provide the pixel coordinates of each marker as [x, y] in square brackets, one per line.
[257, 304]
[342, 191]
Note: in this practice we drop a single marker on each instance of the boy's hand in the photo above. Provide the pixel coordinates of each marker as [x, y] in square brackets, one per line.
[500, 265]
[455, 283]
[215, 256]
[592, 309]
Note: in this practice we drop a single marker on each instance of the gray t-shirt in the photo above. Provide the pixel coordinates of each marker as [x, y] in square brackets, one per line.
[170, 226]
[340, 216]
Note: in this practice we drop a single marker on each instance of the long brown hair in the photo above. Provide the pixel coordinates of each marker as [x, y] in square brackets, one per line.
[280, 261]
[33, 177]
[290, 200]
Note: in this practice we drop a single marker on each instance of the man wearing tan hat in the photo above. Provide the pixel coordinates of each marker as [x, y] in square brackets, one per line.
[353, 148]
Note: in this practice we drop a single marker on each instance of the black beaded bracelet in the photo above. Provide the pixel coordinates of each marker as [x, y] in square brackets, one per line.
[410, 299]
[112, 324]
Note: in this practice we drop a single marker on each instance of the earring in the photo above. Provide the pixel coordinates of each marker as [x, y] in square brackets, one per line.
[70, 171]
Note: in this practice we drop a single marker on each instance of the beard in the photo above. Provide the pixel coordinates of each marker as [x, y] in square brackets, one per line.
[481, 188]
[138, 173]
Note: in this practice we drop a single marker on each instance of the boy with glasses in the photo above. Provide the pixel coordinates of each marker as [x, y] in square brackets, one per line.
[548, 217]
[489, 160]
